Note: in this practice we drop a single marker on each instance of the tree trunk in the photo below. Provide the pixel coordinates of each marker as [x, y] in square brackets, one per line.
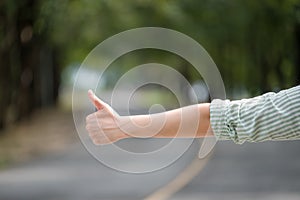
[29, 76]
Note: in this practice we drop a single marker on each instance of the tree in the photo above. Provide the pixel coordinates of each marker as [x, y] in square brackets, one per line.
[29, 75]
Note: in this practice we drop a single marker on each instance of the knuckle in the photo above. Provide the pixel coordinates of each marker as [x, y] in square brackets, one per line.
[89, 127]
[98, 124]
[112, 137]
[93, 134]
[99, 114]
[89, 117]
[97, 141]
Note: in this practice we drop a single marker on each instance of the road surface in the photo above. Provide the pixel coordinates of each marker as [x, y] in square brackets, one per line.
[251, 171]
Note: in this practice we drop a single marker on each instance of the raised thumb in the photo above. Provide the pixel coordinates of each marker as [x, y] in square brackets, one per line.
[95, 100]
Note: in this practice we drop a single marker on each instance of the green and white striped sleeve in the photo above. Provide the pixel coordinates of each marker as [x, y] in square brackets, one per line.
[272, 116]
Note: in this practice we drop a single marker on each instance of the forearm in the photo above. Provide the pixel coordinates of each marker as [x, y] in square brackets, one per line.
[186, 122]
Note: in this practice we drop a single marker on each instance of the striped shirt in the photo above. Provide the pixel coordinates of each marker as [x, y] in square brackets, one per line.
[272, 116]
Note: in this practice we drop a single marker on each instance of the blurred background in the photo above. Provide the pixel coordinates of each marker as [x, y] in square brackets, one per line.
[255, 44]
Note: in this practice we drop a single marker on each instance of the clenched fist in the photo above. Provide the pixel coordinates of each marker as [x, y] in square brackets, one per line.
[103, 126]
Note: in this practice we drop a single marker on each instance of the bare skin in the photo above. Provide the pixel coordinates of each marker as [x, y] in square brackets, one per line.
[106, 126]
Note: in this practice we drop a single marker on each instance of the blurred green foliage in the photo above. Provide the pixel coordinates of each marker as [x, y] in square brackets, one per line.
[255, 44]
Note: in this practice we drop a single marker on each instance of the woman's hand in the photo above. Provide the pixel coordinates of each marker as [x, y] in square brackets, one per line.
[103, 126]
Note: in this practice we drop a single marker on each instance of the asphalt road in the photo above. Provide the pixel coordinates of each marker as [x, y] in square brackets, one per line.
[252, 171]
[75, 174]
[269, 170]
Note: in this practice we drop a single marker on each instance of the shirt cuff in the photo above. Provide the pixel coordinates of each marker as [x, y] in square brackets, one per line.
[218, 120]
